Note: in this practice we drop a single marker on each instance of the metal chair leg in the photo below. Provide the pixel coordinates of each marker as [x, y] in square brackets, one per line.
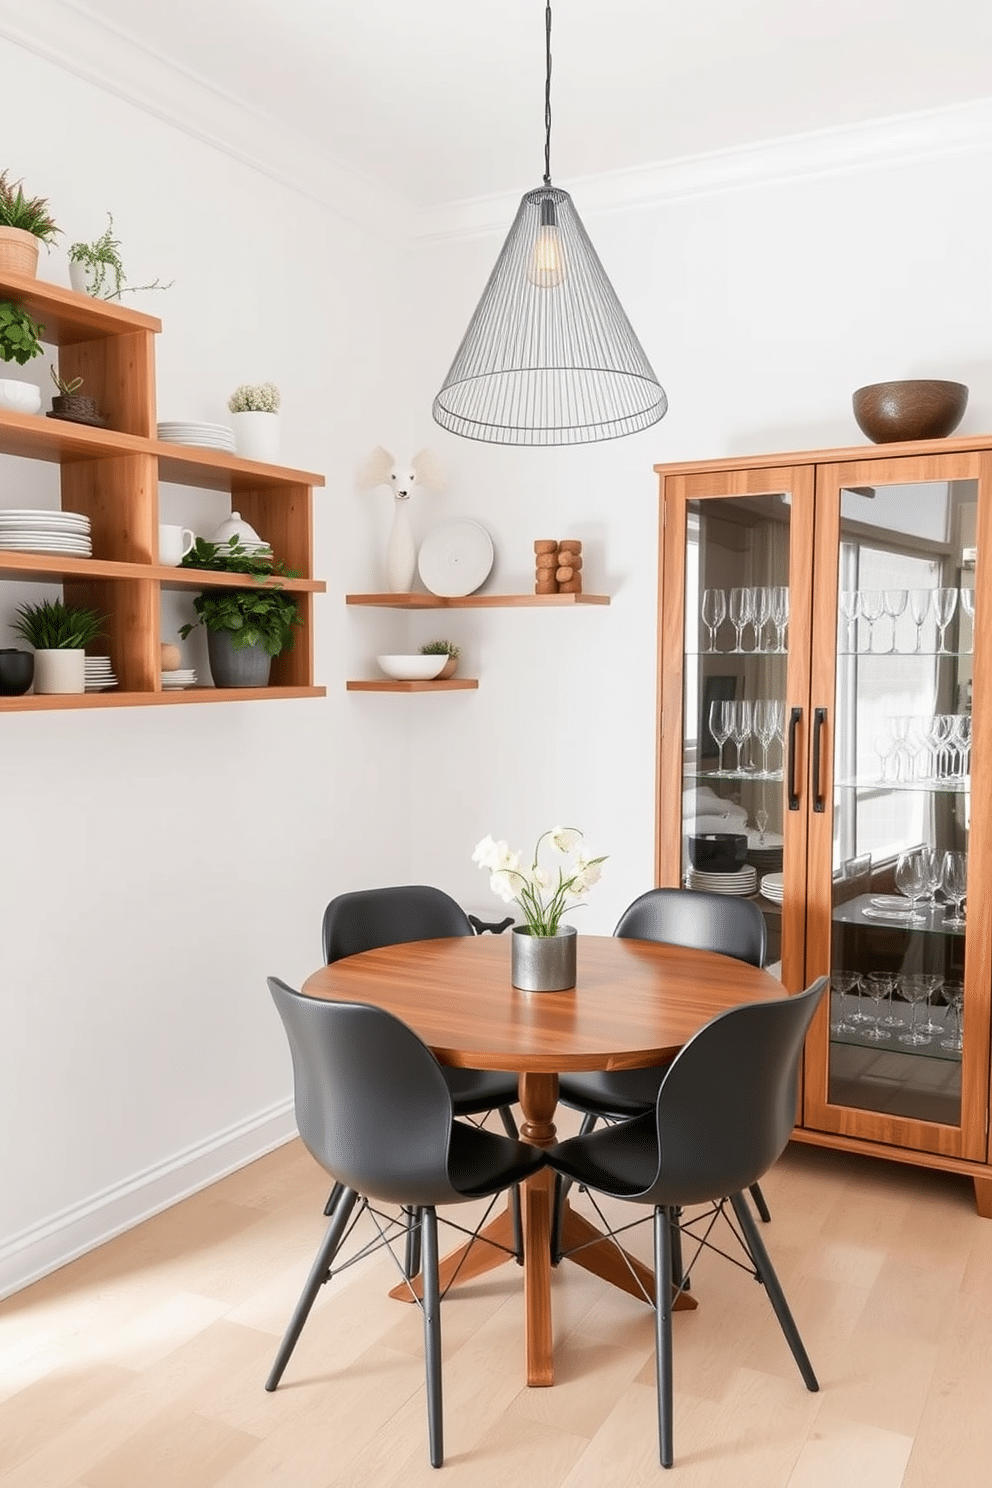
[663, 1220]
[318, 1275]
[411, 1260]
[509, 1125]
[758, 1199]
[335, 1194]
[776, 1296]
[432, 1337]
[562, 1186]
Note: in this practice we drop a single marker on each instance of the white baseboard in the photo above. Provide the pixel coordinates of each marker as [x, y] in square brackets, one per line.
[45, 1247]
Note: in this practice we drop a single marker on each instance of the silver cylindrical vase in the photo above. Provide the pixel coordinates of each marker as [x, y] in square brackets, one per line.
[543, 963]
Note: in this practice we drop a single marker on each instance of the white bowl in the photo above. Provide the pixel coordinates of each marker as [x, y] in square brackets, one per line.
[412, 668]
[18, 396]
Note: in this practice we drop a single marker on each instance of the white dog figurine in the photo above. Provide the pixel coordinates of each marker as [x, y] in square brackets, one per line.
[381, 469]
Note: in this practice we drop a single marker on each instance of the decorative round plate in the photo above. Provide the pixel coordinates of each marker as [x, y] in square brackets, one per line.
[455, 559]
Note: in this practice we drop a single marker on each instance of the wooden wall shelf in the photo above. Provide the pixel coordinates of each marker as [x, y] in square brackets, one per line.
[453, 684]
[475, 601]
[112, 475]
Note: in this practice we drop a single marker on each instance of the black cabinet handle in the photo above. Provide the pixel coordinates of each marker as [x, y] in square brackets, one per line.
[795, 718]
[819, 719]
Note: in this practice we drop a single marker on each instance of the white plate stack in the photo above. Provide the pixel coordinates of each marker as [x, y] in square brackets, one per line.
[743, 881]
[99, 674]
[205, 436]
[773, 887]
[66, 533]
[175, 681]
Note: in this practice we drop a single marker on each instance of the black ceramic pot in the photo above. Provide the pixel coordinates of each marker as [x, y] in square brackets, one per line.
[16, 671]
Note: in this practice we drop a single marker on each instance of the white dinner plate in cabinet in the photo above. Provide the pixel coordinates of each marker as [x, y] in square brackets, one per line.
[455, 559]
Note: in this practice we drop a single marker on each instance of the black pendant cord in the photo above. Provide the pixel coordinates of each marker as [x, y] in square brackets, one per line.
[547, 97]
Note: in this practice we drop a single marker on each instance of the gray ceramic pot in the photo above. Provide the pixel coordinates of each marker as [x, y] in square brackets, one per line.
[231, 668]
[542, 963]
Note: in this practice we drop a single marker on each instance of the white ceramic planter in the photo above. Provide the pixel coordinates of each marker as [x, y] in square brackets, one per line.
[256, 436]
[19, 396]
[60, 671]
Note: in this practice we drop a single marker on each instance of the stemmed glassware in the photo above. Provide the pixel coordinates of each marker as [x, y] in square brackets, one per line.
[761, 608]
[780, 613]
[945, 602]
[713, 612]
[878, 985]
[933, 983]
[954, 882]
[843, 982]
[915, 989]
[959, 743]
[966, 600]
[911, 880]
[919, 607]
[741, 730]
[765, 720]
[953, 994]
[721, 721]
[741, 613]
[894, 604]
[850, 608]
[871, 610]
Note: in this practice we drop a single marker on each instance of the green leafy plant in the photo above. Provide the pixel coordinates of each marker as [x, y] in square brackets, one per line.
[261, 398]
[19, 334]
[440, 648]
[66, 388]
[232, 557]
[102, 258]
[29, 213]
[54, 626]
[264, 617]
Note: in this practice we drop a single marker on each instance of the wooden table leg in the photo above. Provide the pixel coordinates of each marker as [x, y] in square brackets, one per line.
[538, 1099]
[606, 1259]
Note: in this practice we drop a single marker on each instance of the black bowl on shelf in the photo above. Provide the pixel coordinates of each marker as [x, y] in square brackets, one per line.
[16, 671]
[718, 852]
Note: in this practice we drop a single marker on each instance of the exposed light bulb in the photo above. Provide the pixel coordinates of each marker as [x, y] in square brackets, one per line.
[547, 264]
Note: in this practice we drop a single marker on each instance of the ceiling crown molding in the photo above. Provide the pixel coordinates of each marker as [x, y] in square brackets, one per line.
[61, 33]
[931, 135]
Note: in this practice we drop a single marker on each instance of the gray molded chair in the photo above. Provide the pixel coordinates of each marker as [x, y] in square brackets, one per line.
[724, 1113]
[683, 917]
[374, 1109]
[365, 919]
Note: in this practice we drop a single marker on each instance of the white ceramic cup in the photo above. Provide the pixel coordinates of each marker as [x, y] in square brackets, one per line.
[173, 544]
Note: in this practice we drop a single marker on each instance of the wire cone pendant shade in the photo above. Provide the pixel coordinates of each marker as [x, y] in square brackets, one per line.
[549, 356]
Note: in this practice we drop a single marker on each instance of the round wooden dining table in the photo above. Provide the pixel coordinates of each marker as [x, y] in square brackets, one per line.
[634, 1005]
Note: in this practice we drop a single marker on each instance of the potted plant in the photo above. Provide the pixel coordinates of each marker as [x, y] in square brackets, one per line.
[59, 634]
[245, 629]
[70, 404]
[25, 223]
[443, 648]
[19, 342]
[97, 268]
[255, 410]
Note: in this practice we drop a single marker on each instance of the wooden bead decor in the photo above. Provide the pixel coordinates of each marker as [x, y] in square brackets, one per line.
[557, 566]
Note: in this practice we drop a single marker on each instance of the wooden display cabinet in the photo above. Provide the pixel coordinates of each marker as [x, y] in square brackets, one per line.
[853, 750]
[112, 475]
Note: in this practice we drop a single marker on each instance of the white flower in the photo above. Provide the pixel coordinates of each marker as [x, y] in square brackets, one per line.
[486, 853]
[565, 839]
[541, 895]
[504, 884]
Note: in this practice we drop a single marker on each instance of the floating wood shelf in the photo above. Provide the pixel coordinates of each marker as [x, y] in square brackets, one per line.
[474, 601]
[453, 684]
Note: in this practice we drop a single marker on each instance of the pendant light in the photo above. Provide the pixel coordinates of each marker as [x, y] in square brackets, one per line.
[549, 356]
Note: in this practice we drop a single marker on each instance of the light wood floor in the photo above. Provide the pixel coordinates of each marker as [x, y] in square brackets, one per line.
[142, 1364]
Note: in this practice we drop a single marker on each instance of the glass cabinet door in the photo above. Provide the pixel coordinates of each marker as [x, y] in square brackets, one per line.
[891, 781]
[736, 686]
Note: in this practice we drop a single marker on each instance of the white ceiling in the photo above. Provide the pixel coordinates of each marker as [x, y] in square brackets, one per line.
[441, 101]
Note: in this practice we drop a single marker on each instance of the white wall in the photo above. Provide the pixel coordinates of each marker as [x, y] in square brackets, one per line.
[158, 863]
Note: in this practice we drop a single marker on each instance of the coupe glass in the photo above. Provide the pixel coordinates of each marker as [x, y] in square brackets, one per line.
[878, 985]
[953, 995]
[911, 880]
[721, 722]
[945, 602]
[713, 613]
[780, 613]
[954, 882]
[843, 982]
[761, 609]
[741, 729]
[919, 608]
[915, 990]
[894, 603]
[871, 609]
[850, 608]
[932, 983]
[741, 613]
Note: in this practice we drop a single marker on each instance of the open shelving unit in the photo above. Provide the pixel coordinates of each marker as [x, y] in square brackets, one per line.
[112, 475]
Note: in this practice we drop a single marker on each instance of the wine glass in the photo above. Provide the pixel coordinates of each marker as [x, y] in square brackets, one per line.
[761, 608]
[944, 604]
[954, 882]
[850, 607]
[843, 982]
[878, 985]
[741, 728]
[871, 609]
[919, 606]
[761, 817]
[894, 603]
[932, 862]
[959, 742]
[953, 995]
[764, 726]
[883, 744]
[741, 613]
[915, 989]
[780, 613]
[911, 880]
[966, 599]
[713, 612]
[720, 721]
